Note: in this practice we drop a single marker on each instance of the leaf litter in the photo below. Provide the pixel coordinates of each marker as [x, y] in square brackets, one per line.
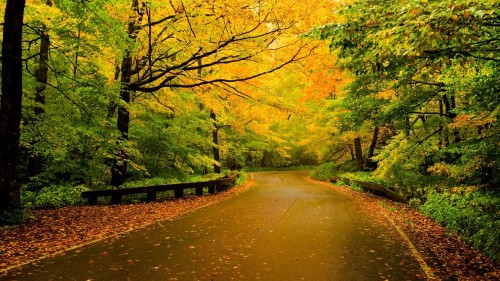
[448, 256]
[54, 231]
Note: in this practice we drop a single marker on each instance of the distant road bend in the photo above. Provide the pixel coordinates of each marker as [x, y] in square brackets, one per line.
[282, 228]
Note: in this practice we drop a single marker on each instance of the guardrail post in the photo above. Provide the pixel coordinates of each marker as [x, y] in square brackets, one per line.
[92, 200]
[211, 189]
[199, 191]
[151, 196]
[179, 192]
[116, 198]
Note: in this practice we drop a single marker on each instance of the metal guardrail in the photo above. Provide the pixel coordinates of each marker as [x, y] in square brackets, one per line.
[372, 187]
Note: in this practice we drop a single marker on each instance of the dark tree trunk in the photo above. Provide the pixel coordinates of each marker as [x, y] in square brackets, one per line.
[120, 162]
[119, 169]
[11, 104]
[371, 150]
[35, 160]
[358, 153]
[449, 104]
[215, 140]
[407, 126]
[441, 133]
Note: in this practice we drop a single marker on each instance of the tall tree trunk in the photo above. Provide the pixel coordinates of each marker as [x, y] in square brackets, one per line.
[449, 105]
[351, 151]
[11, 104]
[215, 139]
[35, 160]
[371, 150]
[441, 133]
[119, 170]
[120, 161]
[359, 153]
[407, 126]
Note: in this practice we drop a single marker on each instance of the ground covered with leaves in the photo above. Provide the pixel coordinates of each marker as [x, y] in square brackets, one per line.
[55, 231]
[448, 256]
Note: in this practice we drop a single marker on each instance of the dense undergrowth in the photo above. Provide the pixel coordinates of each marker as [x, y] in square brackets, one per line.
[57, 196]
[469, 211]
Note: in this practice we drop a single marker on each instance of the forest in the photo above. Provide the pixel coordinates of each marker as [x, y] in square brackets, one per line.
[102, 94]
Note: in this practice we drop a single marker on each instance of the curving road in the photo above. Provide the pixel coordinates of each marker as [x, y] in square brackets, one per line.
[283, 228]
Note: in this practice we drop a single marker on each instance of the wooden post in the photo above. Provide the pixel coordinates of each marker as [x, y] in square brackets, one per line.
[211, 189]
[359, 153]
[116, 198]
[179, 192]
[92, 200]
[199, 191]
[151, 196]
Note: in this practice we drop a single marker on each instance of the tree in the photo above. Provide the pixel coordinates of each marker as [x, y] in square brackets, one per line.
[35, 160]
[416, 66]
[11, 103]
[167, 58]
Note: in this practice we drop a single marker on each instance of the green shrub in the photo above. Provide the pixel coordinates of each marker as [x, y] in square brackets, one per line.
[54, 196]
[475, 216]
[15, 217]
[241, 179]
[356, 187]
[150, 182]
[360, 176]
[324, 171]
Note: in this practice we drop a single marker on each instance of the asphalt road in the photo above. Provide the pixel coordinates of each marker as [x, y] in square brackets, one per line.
[282, 228]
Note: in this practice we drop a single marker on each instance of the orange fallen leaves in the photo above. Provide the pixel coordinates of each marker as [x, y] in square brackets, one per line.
[54, 231]
[449, 257]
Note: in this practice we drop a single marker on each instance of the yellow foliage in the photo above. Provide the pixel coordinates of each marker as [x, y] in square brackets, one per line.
[387, 94]
[439, 169]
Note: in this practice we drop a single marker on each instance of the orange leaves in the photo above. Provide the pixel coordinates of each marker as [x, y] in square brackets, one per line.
[323, 80]
[448, 255]
[54, 231]
[387, 94]
[466, 14]
[439, 169]
[465, 121]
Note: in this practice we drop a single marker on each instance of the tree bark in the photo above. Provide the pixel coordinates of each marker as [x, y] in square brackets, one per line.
[35, 160]
[371, 150]
[120, 161]
[358, 153]
[441, 133]
[11, 104]
[119, 170]
[215, 140]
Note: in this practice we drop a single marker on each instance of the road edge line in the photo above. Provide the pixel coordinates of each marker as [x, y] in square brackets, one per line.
[425, 267]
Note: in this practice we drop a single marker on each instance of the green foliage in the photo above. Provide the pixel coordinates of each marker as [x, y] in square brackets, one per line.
[54, 196]
[475, 215]
[428, 73]
[243, 178]
[356, 187]
[150, 182]
[324, 171]
[15, 217]
[360, 176]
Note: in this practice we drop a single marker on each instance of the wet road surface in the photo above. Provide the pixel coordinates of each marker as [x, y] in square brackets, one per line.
[282, 228]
